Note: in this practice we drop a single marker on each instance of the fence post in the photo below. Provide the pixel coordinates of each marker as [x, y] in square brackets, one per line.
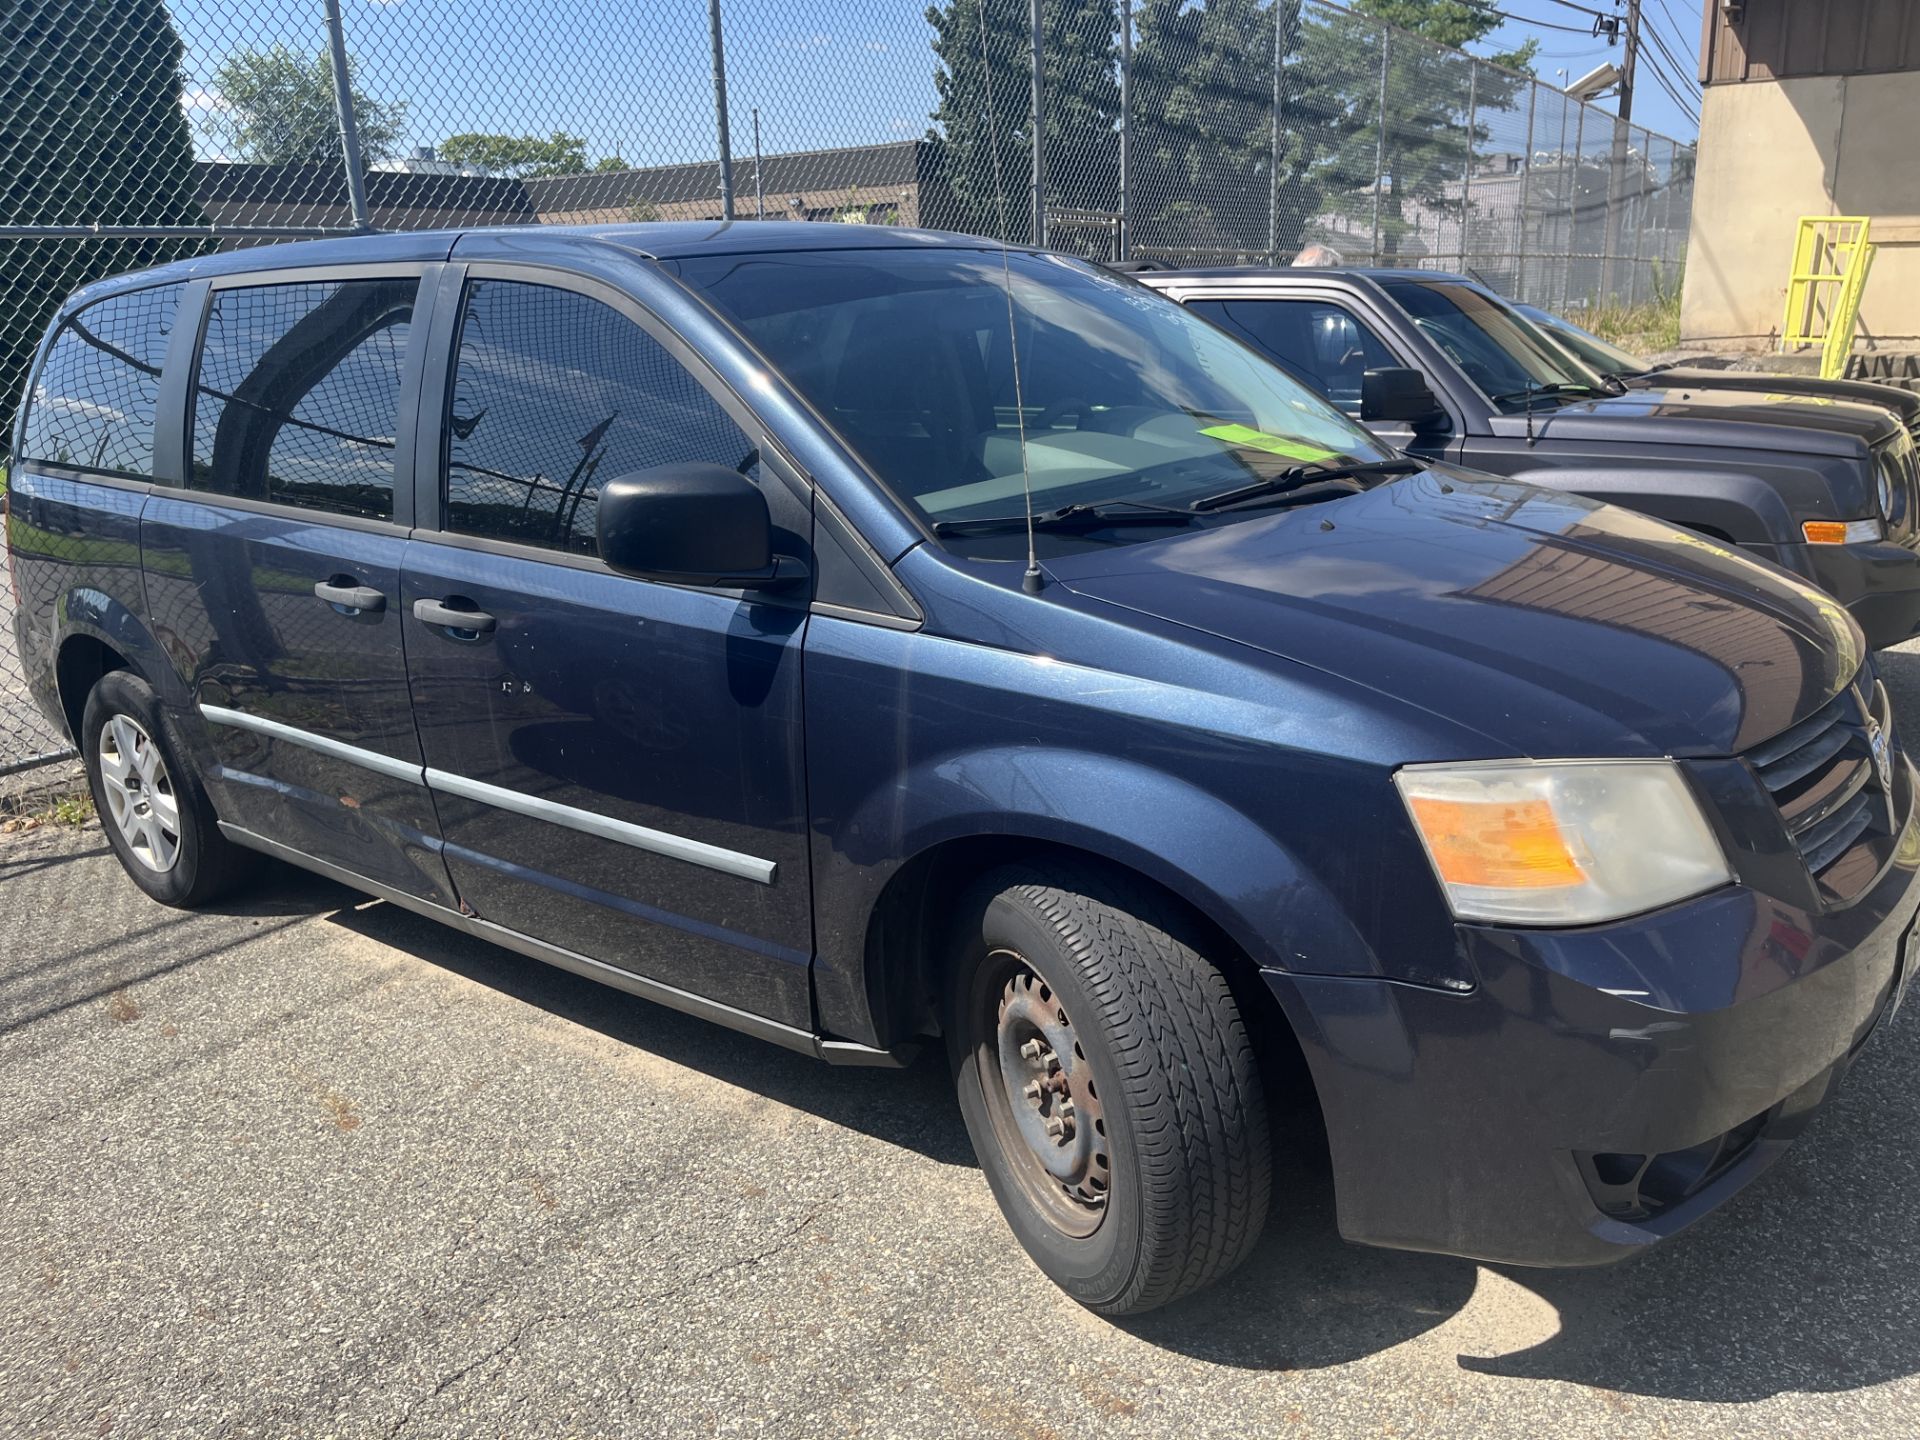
[1123, 234]
[1466, 174]
[1283, 39]
[720, 109]
[1573, 203]
[349, 128]
[1526, 188]
[1380, 140]
[1037, 126]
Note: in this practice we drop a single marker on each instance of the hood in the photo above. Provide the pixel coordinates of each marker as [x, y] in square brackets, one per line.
[1736, 419]
[1548, 624]
[1773, 388]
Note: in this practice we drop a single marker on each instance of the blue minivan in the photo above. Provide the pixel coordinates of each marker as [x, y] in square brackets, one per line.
[862, 636]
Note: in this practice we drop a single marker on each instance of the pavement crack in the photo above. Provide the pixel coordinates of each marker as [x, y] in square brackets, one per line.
[526, 1326]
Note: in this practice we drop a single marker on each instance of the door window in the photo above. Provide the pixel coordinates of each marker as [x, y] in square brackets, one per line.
[298, 394]
[1320, 342]
[554, 394]
[94, 401]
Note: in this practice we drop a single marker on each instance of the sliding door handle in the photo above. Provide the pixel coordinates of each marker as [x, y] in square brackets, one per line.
[448, 614]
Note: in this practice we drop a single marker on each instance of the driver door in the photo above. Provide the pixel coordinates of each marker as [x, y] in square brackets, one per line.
[617, 763]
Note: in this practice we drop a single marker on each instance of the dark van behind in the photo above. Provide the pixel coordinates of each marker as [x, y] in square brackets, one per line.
[868, 638]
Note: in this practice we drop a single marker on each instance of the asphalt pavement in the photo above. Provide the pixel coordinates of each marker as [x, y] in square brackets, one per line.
[309, 1165]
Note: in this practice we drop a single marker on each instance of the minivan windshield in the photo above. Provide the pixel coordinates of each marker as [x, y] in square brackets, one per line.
[1512, 363]
[1129, 399]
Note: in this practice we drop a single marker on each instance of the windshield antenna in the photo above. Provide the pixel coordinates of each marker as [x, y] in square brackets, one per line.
[1032, 580]
[1527, 399]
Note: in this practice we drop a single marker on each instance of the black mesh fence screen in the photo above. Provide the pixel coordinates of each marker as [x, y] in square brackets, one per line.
[1199, 131]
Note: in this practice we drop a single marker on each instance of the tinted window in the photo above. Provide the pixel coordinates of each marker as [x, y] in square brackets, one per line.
[1321, 343]
[1509, 360]
[94, 400]
[1127, 396]
[554, 394]
[298, 394]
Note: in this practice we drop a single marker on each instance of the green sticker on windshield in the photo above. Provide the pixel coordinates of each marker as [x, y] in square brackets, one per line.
[1252, 439]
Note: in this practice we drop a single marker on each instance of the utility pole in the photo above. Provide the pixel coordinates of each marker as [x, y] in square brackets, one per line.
[1627, 62]
[1617, 166]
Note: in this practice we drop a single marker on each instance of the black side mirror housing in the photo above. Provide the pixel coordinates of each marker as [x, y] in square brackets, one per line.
[1395, 395]
[691, 524]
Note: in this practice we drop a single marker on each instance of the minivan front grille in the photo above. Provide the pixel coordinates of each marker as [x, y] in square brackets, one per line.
[1830, 774]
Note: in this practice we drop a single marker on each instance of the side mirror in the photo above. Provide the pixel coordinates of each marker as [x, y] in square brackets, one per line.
[1400, 396]
[691, 524]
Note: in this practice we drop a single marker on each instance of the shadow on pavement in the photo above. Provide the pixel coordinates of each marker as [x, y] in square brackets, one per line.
[1809, 1282]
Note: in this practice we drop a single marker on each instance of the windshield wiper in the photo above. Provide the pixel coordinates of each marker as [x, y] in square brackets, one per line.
[1548, 392]
[1298, 475]
[1070, 517]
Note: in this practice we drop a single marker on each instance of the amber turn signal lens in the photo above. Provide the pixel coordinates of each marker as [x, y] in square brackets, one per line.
[1513, 844]
[1840, 532]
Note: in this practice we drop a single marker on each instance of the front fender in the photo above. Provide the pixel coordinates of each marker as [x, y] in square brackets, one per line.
[1741, 507]
[1195, 844]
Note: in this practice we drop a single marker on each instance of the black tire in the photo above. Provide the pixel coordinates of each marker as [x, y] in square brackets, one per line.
[1161, 1060]
[201, 862]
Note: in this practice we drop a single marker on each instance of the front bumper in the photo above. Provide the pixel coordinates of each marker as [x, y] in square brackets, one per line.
[1598, 1089]
[1878, 583]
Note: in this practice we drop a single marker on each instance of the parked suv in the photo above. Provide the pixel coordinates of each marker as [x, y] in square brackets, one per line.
[722, 613]
[1610, 362]
[1441, 366]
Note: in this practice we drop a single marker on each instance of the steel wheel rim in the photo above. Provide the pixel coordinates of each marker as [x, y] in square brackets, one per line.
[1046, 1106]
[141, 803]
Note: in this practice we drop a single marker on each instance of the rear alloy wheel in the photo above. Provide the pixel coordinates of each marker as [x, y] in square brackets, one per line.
[141, 804]
[1109, 1086]
[155, 813]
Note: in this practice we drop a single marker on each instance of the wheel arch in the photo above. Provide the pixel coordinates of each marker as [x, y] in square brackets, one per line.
[78, 665]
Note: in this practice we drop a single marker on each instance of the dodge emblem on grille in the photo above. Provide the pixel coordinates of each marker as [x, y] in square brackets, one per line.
[1882, 761]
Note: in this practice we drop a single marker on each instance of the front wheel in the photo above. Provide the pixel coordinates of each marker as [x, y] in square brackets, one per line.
[151, 805]
[1109, 1087]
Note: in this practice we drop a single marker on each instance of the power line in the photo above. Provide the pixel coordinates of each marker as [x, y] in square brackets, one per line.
[1681, 76]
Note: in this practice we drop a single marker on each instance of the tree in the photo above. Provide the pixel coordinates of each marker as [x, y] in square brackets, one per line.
[523, 156]
[281, 110]
[1202, 111]
[1398, 144]
[1082, 108]
[92, 131]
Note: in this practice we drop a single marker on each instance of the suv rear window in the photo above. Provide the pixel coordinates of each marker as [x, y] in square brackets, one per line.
[298, 394]
[93, 403]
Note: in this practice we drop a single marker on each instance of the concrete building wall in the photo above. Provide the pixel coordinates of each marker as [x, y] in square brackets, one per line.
[1774, 150]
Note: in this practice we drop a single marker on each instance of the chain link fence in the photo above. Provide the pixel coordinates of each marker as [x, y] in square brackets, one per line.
[1196, 131]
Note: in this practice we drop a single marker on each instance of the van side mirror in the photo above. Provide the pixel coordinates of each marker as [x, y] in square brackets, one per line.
[691, 524]
[1396, 395]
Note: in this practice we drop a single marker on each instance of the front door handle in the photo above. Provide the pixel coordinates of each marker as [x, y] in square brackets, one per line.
[341, 590]
[450, 617]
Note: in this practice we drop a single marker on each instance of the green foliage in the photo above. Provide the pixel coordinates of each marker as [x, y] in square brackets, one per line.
[1082, 107]
[1645, 329]
[281, 111]
[1422, 106]
[94, 134]
[525, 156]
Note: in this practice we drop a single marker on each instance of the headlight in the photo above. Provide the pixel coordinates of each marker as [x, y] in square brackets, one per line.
[1564, 842]
[1883, 477]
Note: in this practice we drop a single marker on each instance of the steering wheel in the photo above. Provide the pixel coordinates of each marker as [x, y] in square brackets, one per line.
[1072, 405]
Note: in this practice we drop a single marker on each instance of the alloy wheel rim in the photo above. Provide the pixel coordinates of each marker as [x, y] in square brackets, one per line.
[141, 803]
[1047, 1104]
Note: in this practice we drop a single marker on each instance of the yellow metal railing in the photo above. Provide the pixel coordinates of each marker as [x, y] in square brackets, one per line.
[1832, 257]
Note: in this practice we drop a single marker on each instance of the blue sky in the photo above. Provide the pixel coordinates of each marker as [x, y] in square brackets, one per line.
[634, 77]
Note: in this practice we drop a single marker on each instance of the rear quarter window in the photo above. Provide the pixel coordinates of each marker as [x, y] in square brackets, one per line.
[93, 402]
